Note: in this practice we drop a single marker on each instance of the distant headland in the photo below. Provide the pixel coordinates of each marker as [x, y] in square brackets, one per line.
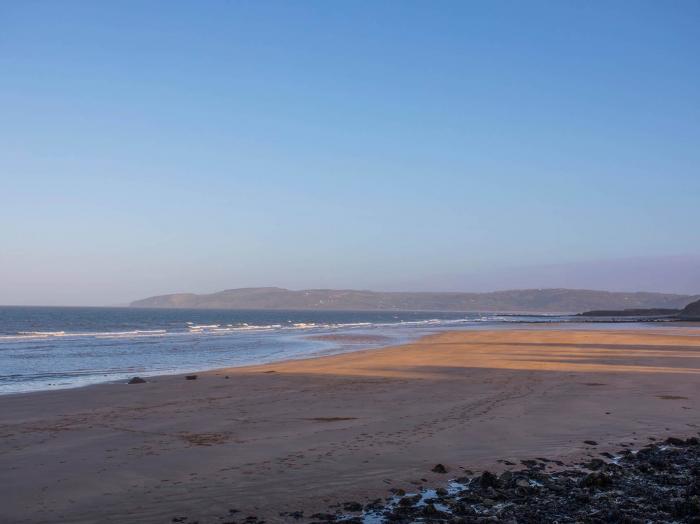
[689, 312]
[515, 301]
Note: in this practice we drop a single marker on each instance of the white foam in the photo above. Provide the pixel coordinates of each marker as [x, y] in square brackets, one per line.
[30, 335]
[193, 329]
[43, 333]
[304, 325]
[199, 327]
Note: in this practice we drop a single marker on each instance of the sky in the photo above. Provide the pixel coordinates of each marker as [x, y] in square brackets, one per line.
[156, 147]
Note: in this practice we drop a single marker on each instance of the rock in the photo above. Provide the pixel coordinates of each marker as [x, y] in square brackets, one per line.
[296, 515]
[506, 477]
[687, 507]
[430, 511]
[439, 468]
[596, 480]
[556, 488]
[352, 506]
[488, 480]
[595, 464]
[441, 492]
[410, 500]
[521, 491]
[490, 493]
[191, 377]
[590, 442]
[326, 517]
[137, 380]
[522, 482]
[375, 505]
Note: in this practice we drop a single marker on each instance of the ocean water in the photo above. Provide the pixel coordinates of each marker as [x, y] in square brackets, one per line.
[60, 347]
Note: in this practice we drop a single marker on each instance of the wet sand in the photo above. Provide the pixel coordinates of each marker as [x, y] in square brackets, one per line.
[351, 339]
[301, 435]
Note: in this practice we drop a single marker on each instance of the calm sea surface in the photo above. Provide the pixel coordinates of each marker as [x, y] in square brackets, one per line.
[59, 347]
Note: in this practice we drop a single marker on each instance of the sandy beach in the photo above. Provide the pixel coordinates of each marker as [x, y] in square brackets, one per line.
[303, 435]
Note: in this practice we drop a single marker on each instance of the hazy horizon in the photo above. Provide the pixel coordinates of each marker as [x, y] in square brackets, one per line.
[675, 275]
[157, 148]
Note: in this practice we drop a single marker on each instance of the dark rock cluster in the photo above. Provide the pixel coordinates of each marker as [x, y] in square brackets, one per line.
[659, 483]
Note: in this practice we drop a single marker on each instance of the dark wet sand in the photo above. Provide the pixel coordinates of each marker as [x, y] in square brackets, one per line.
[305, 434]
[351, 339]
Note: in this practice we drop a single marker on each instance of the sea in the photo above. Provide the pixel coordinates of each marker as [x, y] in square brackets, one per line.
[46, 348]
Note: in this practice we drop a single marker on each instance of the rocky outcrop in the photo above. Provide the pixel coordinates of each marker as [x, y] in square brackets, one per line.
[691, 311]
[651, 312]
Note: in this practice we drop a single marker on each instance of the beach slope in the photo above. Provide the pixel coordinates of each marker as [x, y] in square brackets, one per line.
[302, 435]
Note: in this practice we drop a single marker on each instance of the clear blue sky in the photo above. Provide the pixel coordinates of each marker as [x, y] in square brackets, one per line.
[152, 147]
